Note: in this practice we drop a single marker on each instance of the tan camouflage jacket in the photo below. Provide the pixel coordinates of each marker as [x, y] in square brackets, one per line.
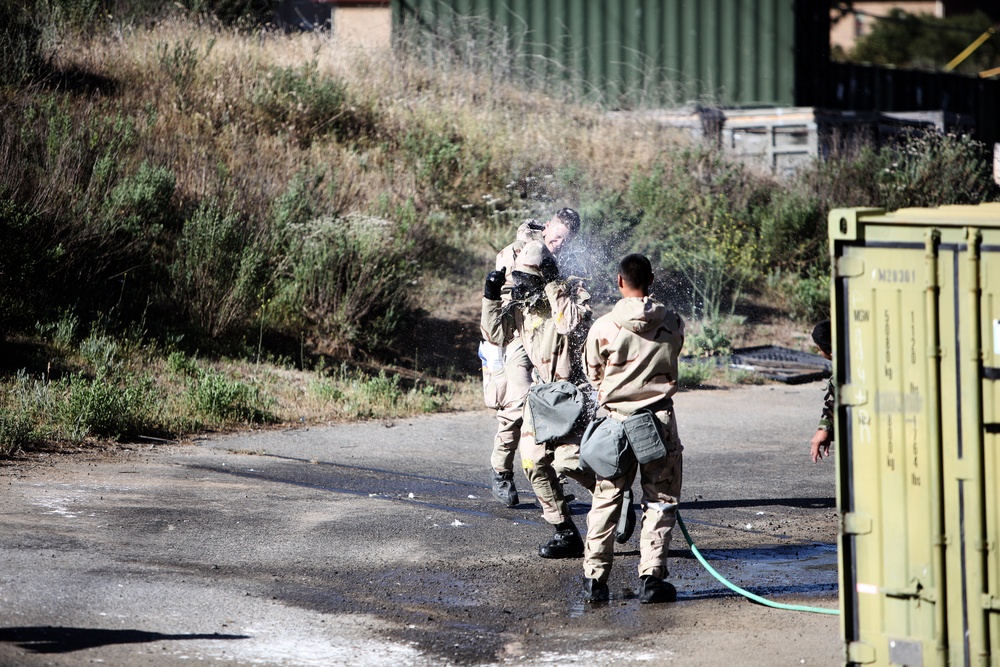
[552, 330]
[631, 355]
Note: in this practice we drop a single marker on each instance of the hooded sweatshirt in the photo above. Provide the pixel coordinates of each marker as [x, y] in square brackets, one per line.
[631, 355]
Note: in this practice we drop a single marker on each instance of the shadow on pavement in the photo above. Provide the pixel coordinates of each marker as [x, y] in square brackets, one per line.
[66, 640]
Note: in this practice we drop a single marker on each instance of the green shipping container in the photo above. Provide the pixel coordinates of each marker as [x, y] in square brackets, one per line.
[916, 314]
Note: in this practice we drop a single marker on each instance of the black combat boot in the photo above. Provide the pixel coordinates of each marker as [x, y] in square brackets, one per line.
[653, 590]
[626, 520]
[595, 591]
[566, 543]
[503, 488]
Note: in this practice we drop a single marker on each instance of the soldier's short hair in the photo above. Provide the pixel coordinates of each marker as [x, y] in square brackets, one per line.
[570, 218]
[636, 270]
[822, 337]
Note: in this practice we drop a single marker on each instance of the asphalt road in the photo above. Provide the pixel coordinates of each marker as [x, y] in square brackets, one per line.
[379, 544]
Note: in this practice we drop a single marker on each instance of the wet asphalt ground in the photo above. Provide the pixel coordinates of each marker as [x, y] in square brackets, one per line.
[379, 544]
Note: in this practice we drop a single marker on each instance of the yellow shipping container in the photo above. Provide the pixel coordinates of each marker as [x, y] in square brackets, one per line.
[916, 315]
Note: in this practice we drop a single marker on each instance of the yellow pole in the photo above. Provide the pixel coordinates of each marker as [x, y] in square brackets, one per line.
[990, 72]
[968, 51]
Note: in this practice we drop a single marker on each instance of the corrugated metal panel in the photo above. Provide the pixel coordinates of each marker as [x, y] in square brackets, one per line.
[626, 52]
[916, 311]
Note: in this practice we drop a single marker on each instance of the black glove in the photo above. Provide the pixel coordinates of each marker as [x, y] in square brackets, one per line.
[494, 283]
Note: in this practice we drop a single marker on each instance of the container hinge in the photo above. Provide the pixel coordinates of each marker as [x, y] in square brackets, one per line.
[985, 545]
[992, 428]
[850, 267]
[990, 373]
[991, 602]
[855, 523]
[852, 396]
[860, 653]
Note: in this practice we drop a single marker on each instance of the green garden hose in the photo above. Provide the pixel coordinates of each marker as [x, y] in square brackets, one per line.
[743, 591]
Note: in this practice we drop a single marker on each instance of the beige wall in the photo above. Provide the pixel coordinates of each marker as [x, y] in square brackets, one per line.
[848, 28]
[367, 26]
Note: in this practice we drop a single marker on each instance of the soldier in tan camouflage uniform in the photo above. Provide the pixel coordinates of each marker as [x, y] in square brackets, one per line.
[551, 317]
[631, 358]
[506, 368]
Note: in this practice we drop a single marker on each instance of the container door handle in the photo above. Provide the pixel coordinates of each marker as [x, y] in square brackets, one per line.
[915, 591]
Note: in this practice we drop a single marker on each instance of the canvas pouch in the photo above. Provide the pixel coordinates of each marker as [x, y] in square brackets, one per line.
[556, 409]
[605, 449]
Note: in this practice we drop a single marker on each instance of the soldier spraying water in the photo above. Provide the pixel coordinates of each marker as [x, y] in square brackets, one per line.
[631, 357]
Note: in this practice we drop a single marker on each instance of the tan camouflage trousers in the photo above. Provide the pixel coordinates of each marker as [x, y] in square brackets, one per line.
[544, 463]
[661, 489]
[505, 388]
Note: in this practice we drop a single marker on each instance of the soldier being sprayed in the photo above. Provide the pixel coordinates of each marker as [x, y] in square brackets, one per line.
[506, 366]
[551, 316]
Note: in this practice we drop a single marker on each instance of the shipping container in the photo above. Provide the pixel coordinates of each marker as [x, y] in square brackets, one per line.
[916, 314]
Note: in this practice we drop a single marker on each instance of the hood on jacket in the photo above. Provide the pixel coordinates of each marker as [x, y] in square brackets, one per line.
[638, 315]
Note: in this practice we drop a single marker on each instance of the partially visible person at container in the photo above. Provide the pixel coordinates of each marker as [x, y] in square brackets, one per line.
[823, 439]
[506, 368]
[631, 358]
[551, 315]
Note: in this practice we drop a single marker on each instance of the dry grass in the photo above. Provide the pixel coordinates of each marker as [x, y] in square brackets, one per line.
[201, 82]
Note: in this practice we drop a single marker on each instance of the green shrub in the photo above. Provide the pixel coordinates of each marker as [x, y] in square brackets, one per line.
[326, 389]
[923, 168]
[744, 376]
[710, 340]
[695, 373]
[119, 405]
[227, 400]
[25, 409]
[435, 156]
[140, 204]
[17, 432]
[700, 218]
[221, 271]
[101, 351]
[309, 105]
[350, 278]
[62, 332]
[181, 364]
[809, 296]
[792, 229]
